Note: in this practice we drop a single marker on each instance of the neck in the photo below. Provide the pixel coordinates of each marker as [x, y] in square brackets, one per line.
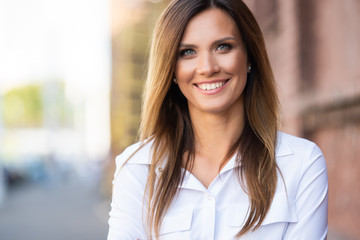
[215, 133]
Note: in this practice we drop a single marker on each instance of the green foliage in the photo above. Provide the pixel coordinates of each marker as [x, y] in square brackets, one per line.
[22, 107]
[37, 106]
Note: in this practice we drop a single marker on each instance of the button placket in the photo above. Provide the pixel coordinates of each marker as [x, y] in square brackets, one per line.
[209, 217]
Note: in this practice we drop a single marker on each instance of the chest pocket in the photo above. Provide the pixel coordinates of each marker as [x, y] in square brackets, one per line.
[176, 225]
[281, 213]
[283, 209]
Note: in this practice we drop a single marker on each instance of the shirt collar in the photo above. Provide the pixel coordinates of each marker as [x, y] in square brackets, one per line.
[191, 182]
[281, 149]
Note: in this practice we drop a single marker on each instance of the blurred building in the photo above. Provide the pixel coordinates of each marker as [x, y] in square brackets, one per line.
[132, 23]
[315, 54]
[314, 47]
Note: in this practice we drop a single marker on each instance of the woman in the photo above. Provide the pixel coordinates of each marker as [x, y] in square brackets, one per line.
[211, 163]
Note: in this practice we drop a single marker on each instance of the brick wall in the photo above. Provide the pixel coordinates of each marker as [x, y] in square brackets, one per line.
[315, 53]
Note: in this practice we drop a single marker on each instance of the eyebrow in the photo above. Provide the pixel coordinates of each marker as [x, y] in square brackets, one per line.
[185, 45]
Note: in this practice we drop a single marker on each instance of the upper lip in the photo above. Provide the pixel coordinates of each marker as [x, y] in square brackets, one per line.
[212, 81]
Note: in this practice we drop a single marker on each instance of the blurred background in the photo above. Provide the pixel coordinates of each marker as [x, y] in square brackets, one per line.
[71, 76]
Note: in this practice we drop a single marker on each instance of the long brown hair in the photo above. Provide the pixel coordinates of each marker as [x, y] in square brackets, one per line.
[166, 119]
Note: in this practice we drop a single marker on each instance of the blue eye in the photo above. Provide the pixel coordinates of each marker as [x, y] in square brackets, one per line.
[224, 47]
[186, 52]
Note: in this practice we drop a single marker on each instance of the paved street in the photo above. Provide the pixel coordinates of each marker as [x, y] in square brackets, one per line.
[58, 210]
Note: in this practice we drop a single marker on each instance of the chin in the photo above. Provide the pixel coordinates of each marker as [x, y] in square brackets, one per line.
[215, 109]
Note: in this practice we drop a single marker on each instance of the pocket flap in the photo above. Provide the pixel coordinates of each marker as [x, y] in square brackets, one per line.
[177, 221]
[282, 209]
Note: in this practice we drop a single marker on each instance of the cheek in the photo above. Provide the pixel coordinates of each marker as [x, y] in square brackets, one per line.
[236, 63]
[184, 71]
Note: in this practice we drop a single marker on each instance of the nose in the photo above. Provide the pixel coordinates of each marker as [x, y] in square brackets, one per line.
[207, 65]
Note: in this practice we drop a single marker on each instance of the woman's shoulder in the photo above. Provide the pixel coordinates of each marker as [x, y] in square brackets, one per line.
[299, 161]
[297, 153]
[137, 153]
[289, 144]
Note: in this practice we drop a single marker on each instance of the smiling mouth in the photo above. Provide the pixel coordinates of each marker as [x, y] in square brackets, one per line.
[211, 86]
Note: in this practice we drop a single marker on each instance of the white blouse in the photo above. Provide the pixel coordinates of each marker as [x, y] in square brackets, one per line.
[219, 211]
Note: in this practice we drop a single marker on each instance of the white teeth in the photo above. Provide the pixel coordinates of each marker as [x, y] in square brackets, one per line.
[211, 86]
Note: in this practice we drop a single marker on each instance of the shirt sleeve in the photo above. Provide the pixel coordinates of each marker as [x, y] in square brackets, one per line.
[126, 214]
[311, 199]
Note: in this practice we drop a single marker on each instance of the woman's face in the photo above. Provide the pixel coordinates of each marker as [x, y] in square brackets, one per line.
[212, 65]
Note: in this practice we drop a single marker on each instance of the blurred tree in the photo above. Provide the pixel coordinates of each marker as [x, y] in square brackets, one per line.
[22, 107]
[34, 105]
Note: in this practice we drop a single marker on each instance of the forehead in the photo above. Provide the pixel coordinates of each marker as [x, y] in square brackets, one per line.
[212, 23]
